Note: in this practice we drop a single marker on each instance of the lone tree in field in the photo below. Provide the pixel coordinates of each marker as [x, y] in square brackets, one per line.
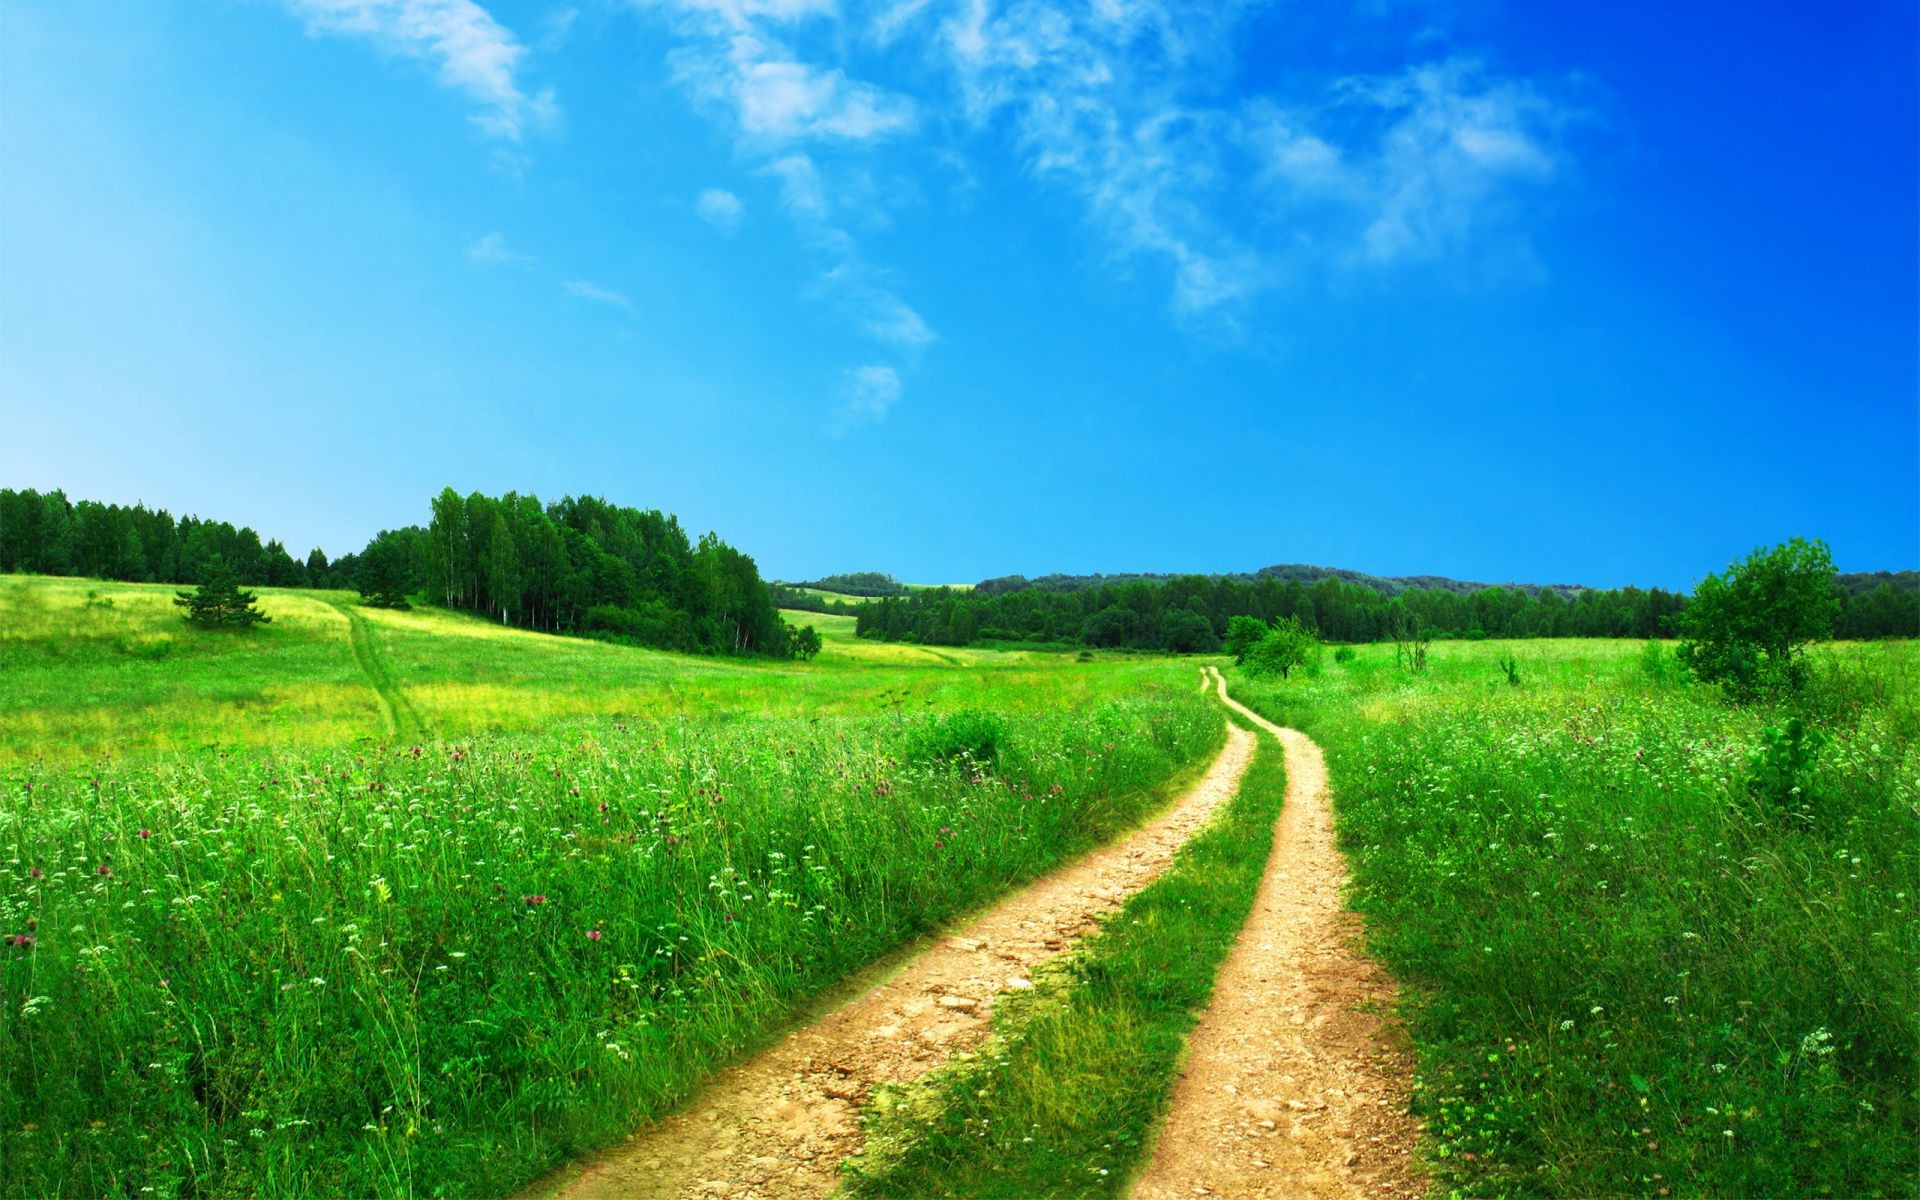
[219, 603]
[1287, 645]
[804, 642]
[1747, 631]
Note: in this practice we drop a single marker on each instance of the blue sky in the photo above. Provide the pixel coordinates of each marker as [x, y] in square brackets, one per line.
[1604, 294]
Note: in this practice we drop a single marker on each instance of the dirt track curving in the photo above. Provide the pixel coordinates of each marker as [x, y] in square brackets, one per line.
[780, 1124]
[1294, 1084]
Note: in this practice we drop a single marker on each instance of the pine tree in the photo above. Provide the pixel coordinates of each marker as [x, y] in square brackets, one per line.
[219, 603]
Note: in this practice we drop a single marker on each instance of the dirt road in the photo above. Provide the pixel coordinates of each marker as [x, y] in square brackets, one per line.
[779, 1124]
[1293, 1085]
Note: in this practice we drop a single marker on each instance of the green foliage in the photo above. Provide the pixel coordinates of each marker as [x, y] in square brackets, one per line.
[219, 603]
[1510, 668]
[1662, 666]
[1282, 649]
[1243, 633]
[968, 737]
[1622, 971]
[386, 575]
[1344, 654]
[1781, 768]
[805, 642]
[857, 583]
[1747, 630]
[444, 969]
[1063, 1100]
[1184, 631]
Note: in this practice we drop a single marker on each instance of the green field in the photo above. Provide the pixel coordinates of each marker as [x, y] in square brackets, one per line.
[279, 941]
[385, 903]
[1640, 962]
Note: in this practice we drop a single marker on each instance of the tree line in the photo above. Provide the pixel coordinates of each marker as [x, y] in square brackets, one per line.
[579, 565]
[43, 533]
[1191, 613]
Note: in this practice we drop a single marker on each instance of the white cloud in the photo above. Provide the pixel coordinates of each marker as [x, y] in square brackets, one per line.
[801, 190]
[775, 98]
[867, 393]
[585, 290]
[721, 209]
[492, 251]
[471, 52]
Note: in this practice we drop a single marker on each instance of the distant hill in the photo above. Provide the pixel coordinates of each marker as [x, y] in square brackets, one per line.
[1386, 585]
[856, 583]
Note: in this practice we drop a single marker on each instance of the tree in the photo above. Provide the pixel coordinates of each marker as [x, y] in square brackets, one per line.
[805, 642]
[219, 603]
[385, 575]
[1243, 634]
[1747, 631]
[1184, 631]
[1287, 645]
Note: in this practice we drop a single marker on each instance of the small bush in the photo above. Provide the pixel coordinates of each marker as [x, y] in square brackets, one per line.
[968, 735]
[1344, 654]
[1510, 667]
[1780, 771]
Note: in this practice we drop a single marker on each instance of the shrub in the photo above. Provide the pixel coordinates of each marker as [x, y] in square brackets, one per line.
[1510, 667]
[1780, 769]
[968, 735]
[1287, 645]
[1747, 631]
[1243, 634]
[1344, 654]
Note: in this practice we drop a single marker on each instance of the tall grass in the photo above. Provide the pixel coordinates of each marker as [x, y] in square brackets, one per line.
[1657, 946]
[441, 970]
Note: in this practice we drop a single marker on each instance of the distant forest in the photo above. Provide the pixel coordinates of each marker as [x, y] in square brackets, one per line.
[1190, 613]
[1386, 585]
[857, 583]
[578, 565]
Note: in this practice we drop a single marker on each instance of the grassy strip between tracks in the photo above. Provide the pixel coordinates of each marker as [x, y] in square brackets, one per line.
[1063, 1099]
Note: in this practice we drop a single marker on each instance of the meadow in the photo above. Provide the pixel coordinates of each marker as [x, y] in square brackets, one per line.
[1657, 943]
[357, 963]
[383, 903]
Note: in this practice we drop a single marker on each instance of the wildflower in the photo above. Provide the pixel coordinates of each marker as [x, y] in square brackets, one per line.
[594, 935]
[145, 833]
[535, 900]
[103, 869]
[23, 940]
[35, 873]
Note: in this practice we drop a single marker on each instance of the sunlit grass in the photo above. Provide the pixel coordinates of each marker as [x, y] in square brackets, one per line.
[1630, 972]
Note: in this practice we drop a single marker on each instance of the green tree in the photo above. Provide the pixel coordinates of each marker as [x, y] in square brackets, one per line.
[1288, 645]
[1243, 634]
[1747, 630]
[219, 603]
[804, 642]
[385, 575]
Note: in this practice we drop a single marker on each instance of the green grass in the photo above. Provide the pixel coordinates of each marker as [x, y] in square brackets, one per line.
[1631, 973]
[98, 669]
[364, 964]
[1063, 1099]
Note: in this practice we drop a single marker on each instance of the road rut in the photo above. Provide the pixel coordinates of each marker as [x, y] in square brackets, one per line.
[1294, 1083]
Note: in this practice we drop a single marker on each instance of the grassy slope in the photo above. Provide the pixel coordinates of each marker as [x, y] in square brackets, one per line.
[367, 969]
[1630, 975]
[96, 668]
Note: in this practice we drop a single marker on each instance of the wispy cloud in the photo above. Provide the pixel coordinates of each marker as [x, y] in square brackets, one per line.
[492, 251]
[866, 394]
[470, 52]
[720, 208]
[584, 290]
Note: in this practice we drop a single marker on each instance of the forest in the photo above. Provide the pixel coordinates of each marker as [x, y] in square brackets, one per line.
[578, 565]
[1189, 614]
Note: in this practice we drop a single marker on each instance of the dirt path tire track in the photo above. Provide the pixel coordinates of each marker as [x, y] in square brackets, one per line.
[780, 1124]
[1294, 1084]
[403, 720]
